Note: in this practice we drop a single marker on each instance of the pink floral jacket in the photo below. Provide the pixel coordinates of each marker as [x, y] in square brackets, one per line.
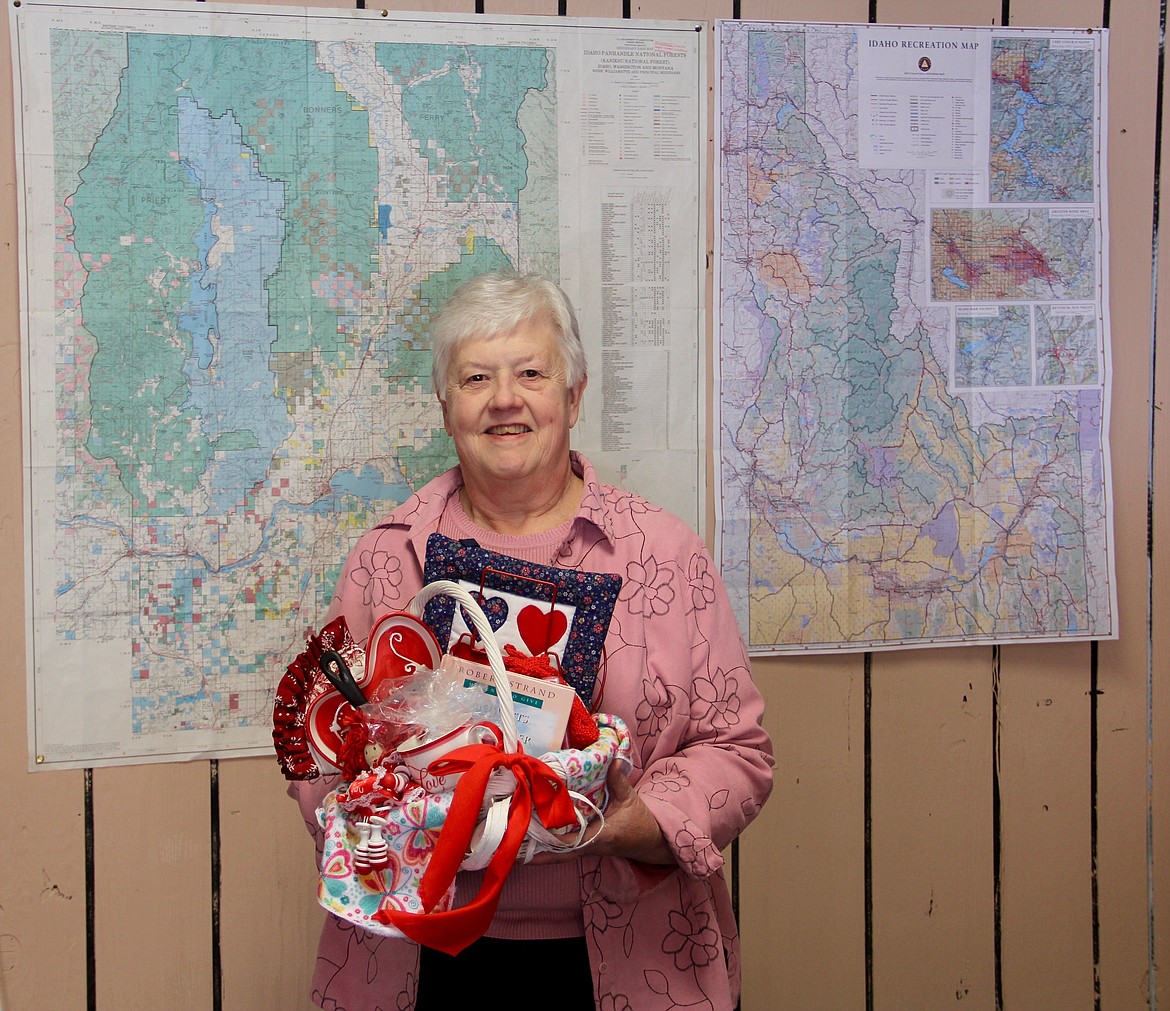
[678, 674]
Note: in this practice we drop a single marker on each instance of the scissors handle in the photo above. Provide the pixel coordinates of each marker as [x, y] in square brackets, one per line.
[337, 671]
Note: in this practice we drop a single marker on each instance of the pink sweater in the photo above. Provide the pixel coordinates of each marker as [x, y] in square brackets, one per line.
[678, 674]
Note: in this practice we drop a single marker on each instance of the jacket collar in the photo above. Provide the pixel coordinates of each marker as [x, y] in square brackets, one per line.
[420, 513]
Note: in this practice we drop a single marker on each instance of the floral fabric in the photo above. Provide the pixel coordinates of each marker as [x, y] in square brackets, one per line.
[677, 673]
[411, 831]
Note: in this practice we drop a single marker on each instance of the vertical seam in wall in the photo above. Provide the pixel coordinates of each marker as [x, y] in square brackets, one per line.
[1095, 897]
[1159, 111]
[867, 806]
[996, 831]
[867, 776]
[90, 936]
[216, 957]
[736, 16]
[735, 901]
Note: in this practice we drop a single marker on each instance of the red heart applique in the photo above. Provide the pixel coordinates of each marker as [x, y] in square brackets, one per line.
[539, 628]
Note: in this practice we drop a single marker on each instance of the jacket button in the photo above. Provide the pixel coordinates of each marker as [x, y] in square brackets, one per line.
[603, 967]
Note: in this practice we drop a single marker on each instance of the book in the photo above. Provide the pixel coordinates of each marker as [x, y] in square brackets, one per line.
[541, 706]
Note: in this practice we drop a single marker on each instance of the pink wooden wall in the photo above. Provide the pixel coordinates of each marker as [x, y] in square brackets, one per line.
[955, 826]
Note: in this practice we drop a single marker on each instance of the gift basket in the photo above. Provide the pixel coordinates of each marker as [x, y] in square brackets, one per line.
[433, 776]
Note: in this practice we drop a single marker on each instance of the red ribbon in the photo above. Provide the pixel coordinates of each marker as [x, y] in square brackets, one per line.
[538, 789]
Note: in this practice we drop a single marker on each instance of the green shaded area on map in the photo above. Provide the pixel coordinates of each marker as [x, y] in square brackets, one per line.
[479, 147]
[137, 209]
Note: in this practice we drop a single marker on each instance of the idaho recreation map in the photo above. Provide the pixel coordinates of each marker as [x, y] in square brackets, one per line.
[912, 343]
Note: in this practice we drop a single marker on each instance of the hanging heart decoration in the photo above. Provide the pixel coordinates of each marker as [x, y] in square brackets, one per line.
[541, 628]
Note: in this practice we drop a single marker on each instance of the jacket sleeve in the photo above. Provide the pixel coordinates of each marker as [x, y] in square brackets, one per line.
[707, 759]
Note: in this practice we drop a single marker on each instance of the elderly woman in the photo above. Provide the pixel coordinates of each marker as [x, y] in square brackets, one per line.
[641, 915]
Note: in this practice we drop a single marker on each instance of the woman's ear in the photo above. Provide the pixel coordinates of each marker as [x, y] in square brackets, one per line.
[576, 395]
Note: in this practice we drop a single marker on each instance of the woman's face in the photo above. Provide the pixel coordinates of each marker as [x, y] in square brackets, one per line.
[507, 407]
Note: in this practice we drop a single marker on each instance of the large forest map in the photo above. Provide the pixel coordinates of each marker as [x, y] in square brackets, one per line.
[912, 385]
[250, 234]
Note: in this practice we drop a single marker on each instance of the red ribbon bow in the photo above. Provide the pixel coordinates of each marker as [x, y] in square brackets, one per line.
[538, 789]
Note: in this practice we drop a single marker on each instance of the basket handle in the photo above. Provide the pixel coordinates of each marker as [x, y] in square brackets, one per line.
[448, 588]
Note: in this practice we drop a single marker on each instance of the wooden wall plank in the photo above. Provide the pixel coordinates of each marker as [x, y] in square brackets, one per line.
[934, 12]
[855, 11]
[42, 836]
[1045, 772]
[685, 10]
[269, 916]
[502, 8]
[593, 8]
[1044, 763]
[802, 880]
[932, 828]
[1068, 14]
[1123, 713]
[434, 6]
[152, 853]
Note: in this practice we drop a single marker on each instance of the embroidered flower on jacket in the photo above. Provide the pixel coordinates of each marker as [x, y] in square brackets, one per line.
[621, 501]
[647, 587]
[692, 940]
[671, 780]
[599, 911]
[615, 1002]
[693, 850]
[702, 582]
[378, 573]
[654, 711]
[721, 692]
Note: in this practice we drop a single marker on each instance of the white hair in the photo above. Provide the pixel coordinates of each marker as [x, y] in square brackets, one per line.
[496, 302]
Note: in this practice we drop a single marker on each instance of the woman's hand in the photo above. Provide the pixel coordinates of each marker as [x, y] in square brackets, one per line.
[629, 830]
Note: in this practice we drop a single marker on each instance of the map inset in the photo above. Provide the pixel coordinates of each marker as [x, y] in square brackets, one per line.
[1067, 347]
[864, 504]
[992, 254]
[1043, 119]
[251, 235]
[993, 351]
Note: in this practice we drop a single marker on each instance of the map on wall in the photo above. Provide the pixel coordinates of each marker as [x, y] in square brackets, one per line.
[235, 227]
[913, 345]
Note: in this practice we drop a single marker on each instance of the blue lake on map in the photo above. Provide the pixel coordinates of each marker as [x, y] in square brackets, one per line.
[231, 385]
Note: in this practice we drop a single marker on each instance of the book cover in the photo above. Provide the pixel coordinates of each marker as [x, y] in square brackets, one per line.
[541, 706]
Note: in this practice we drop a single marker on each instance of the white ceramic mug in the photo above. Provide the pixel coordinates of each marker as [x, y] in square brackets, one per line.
[419, 752]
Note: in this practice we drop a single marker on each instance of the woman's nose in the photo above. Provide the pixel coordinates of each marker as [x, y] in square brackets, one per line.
[504, 393]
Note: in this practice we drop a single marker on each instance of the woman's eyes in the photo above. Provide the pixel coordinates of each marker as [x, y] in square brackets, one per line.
[477, 378]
